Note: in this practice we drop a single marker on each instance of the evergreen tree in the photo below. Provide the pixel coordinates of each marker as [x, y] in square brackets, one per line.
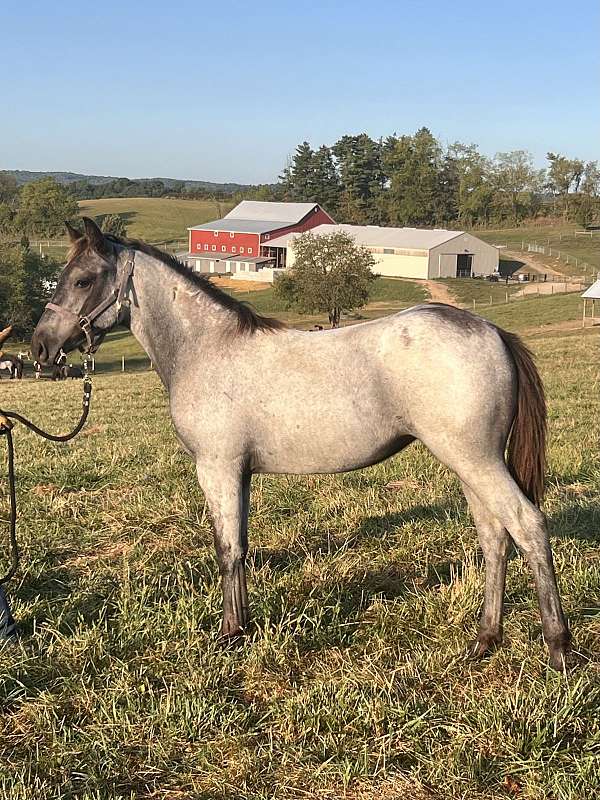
[298, 178]
[414, 169]
[361, 176]
[326, 181]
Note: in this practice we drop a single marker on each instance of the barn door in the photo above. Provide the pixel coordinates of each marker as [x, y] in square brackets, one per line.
[464, 264]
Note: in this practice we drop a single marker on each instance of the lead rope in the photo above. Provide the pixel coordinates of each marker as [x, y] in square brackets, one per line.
[7, 623]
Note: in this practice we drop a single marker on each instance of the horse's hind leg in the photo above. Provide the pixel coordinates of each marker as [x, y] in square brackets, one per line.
[227, 492]
[495, 544]
[526, 524]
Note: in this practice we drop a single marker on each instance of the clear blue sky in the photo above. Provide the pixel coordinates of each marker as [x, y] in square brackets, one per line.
[224, 91]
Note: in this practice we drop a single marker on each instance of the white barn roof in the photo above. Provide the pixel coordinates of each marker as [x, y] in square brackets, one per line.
[376, 236]
[239, 225]
[254, 216]
[593, 291]
[271, 212]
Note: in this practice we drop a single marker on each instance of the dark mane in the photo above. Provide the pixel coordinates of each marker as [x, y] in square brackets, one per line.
[248, 320]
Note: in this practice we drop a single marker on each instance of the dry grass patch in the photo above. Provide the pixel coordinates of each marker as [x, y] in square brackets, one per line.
[365, 589]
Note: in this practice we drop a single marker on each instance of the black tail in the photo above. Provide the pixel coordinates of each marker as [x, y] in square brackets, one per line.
[526, 454]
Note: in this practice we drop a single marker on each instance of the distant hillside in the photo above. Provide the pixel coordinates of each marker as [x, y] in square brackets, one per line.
[26, 176]
[156, 219]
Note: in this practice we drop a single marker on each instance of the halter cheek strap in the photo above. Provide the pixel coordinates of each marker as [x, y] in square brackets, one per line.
[86, 321]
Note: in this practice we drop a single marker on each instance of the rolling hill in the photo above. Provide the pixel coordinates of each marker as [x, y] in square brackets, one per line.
[156, 219]
[26, 176]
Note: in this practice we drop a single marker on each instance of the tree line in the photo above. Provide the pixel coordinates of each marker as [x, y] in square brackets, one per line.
[414, 180]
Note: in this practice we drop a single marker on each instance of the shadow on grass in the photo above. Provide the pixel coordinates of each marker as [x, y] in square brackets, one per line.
[284, 559]
[578, 520]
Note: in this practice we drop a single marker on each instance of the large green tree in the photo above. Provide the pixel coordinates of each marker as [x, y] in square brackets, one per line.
[26, 281]
[517, 182]
[564, 175]
[330, 274]
[44, 206]
[413, 165]
[8, 189]
[113, 224]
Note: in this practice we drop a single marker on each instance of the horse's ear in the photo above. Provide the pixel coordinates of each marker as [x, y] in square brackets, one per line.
[95, 236]
[73, 233]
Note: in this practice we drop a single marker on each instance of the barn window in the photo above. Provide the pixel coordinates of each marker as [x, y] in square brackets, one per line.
[231, 235]
[267, 235]
[206, 247]
[214, 247]
[198, 247]
[234, 249]
[249, 250]
[215, 233]
[388, 251]
[241, 249]
[223, 249]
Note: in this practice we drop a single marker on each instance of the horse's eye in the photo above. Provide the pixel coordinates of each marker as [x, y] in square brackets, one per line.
[83, 283]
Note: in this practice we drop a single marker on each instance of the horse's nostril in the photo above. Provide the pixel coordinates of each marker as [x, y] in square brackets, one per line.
[39, 349]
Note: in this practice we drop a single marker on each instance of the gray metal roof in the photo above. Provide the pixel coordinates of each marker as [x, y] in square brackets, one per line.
[238, 225]
[593, 291]
[290, 213]
[376, 236]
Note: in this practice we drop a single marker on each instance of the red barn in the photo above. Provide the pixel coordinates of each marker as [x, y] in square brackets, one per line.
[240, 241]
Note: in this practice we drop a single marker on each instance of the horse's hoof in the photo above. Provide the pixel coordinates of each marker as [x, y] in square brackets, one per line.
[559, 651]
[484, 645]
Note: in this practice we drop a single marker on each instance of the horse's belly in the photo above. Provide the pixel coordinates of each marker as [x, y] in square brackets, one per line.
[321, 455]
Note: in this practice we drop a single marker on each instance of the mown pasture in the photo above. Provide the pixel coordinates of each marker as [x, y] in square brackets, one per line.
[156, 219]
[353, 682]
[561, 239]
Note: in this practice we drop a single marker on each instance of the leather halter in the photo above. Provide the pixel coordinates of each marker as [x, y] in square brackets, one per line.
[86, 321]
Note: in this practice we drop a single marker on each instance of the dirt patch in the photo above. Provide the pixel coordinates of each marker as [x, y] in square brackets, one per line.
[539, 266]
[555, 327]
[240, 286]
[439, 293]
[93, 429]
[110, 553]
[554, 287]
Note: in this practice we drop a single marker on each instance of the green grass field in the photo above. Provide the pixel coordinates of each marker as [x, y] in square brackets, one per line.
[561, 238]
[387, 296]
[465, 290]
[353, 683]
[156, 219]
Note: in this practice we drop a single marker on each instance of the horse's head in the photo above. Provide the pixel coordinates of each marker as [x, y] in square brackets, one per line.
[86, 286]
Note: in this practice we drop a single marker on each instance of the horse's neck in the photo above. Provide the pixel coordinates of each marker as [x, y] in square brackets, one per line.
[168, 315]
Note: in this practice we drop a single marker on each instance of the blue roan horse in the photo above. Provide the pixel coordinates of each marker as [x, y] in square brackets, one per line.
[248, 395]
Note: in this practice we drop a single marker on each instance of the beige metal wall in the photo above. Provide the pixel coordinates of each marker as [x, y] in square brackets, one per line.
[390, 265]
[442, 259]
[400, 266]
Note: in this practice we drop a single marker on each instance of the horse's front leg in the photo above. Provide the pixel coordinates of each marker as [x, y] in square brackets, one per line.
[227, 491]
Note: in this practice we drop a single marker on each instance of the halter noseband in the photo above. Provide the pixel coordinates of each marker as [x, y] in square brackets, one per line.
[86, 321]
